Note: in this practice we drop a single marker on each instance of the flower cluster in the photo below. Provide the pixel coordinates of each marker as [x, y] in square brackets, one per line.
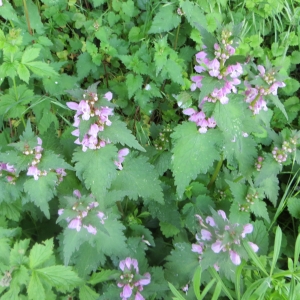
[33, 169]
[82, 212]
[281, 155]
[10, 171]
[258, 163]
[200, 119]
[130, 280]
[85, 110]
[218, 234]
[255, 96]
[162, 142]
[218, 69]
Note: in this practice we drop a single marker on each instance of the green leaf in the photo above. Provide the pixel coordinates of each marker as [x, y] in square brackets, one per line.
[259, 209]
[128, 8]
[168, 230]
[41, 69]
[61, 277]
[97, 3]
[174, 71]
[165, 20]
[30, 54]
[197, 282]
[175, 292]
[50, 160]
[103, 275]
[41, 191]
[86, 293]
[97, 168]
[84, 65]
[23, 73]
[278, 104]
[40, 253]
[137, 179]
[193, 152]
[293, 205]
[35, 288]
[4, 250]
[118, 132]
[133, 83]
[193, 13]
[277, 246]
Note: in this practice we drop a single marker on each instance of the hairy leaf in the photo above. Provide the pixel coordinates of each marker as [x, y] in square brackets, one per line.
[193, 152]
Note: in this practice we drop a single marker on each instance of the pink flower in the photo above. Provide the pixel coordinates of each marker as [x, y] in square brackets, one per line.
[108, 96]
[197, 248]
[217, 246]
[144, 281]
[222, 214]
[75, 224]
[127, 291]
[101, 216]
[77, 193]
[209, 220]
[235, 258]
[205, 235]
[127, 263]
[138, 296]
[248, 228]
[90, 229]
[253, 246]
[60, 211]
[214, 67]
[72, 105]
[34, 171]
[84, 109]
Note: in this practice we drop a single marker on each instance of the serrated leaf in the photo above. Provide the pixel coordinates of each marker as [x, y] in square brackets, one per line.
[193, 152]
[259, 209]
[97, 168]
[50, 161]
[278, 104]
[168, 230]
[30, 54]
[41, 191]
[23, 73]
[41, 69]
[35, 288]
[87, 293]
[181, 264]
[137, 179]
[293, 205]
[40, 253]
[118, 132]
[128, 8]
[133, 83]
[103, 275]
[193, 12]
[174, 70]
[11, 210]
[61, 277]
[4, 250]
[111, 240]
[165, 20]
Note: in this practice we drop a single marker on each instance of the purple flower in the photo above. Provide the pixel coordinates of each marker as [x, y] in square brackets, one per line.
[222, 214]
[77, 193]
[214, 67]
[34, 171]
[217, 246]
[205, 235]
[84, 109]
[197, 248]
[235, 258]
[138, 296]
[90, 229]
[108, 96]
[144, 281]
[128, 263]
[101, 216]
[60, 211]
[72, 105]
[93, 131]
[248, 228]
[197, 82]
[253, 246]
[75, 224]
[127, 291]
[209, 220]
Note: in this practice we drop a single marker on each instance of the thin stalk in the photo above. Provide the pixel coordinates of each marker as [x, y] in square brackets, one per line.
[120, 208]
[27, 17]
[216, 172]
[176, 38]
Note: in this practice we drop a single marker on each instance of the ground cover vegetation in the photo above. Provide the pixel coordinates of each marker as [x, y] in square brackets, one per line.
[149, 149]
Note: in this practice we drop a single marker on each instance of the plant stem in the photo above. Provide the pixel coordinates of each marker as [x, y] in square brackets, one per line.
[176, 38]
[27, 17]
[216, 172]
